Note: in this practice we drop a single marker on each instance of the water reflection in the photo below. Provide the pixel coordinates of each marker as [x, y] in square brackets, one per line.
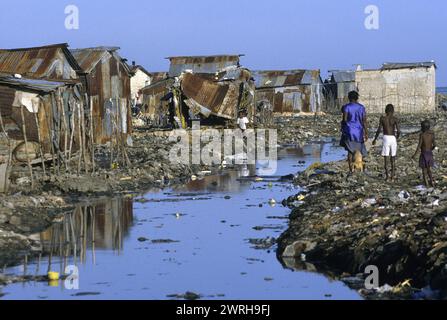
[189, 242]
[100, 226]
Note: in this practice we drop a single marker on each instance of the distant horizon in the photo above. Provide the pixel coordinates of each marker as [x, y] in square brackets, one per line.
[325, 35]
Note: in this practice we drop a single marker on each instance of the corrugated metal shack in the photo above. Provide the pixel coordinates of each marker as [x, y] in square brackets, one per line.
[290, 91]
[337, 87]
[209, 88]
[108, 89]
[41, 94]
[155, 105]
[410, 87]
[40, 120]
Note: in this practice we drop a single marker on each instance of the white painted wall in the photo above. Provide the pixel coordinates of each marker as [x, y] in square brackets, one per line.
[137, 82]
[409, 90]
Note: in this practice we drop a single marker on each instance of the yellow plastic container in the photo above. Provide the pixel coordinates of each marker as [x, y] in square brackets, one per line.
[53, 275]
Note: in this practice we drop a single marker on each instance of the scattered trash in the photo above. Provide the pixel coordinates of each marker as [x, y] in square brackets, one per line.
[368, 203]
[394, 235]
[404, 195]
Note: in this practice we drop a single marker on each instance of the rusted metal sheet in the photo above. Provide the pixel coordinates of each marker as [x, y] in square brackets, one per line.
[201, 64]
[290, 91]
[53, 62]
[158, 76]
[108, 78]
[220, 99]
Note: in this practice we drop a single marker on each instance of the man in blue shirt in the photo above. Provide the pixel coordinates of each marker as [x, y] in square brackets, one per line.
[354, 128]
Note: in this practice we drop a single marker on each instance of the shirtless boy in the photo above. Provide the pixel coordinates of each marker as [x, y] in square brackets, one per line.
[391, 132]
[426, 146]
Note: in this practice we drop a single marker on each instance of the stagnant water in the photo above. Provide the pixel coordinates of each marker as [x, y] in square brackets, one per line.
[208, 223]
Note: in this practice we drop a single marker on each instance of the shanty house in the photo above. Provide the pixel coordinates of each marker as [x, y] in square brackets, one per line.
[290, 91]
[411, 87]
[337, 87]
[40, 120]
[108, 90]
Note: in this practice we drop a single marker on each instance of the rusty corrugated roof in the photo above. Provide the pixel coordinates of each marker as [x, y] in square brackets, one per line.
[88, 58]
[158, 76]
[202, 64]
[36, 62]
[285, 78]
[31, 84]
[218, 99]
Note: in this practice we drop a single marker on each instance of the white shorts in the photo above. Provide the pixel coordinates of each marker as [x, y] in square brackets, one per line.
[389, 146]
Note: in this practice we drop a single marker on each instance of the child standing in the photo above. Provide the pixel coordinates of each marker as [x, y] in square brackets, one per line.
[391, 133]
[426, 146]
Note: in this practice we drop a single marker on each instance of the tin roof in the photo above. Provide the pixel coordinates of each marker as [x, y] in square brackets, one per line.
[343, 75]
[35, 62]
[405, 65]
[216, 57]
[285, 78]
[201, 64]
[88, 58]
[134, 68]
[31, 84]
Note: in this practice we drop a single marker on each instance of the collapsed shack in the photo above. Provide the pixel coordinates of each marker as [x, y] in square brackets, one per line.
[107, 84]
[212, 89]
[42, 121]
[290, 92]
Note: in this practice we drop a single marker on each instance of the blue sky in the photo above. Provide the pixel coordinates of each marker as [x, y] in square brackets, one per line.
[281, 34]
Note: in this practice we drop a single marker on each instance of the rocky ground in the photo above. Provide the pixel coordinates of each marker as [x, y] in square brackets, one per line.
[344, 223]
[300, 130]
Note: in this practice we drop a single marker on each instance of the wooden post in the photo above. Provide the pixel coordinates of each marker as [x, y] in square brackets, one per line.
[92, 141]
[72, 126]
[64, 122]
[40, 144]
[50, 130]
[84, 147]
[80, 139]
[5, 176]
[26, 147]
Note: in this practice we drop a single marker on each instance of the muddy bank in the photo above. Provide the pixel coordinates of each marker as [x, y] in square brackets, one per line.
[344, 223]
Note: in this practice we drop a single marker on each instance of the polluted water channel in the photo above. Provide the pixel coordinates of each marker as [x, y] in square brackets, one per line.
[212, 238]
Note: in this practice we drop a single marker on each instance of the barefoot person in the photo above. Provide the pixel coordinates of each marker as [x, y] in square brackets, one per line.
[391, 133]
[426, 146]
[354, 128]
